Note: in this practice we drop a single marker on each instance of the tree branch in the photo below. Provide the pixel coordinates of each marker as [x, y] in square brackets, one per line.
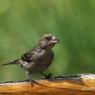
[81, 84]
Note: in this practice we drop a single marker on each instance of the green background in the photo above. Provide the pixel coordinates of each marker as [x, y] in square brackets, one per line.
[23, 22]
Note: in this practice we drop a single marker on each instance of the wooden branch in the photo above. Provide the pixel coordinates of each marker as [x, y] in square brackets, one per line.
[82, 84]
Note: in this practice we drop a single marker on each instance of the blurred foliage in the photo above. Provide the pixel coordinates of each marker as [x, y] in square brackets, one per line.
[23, 22]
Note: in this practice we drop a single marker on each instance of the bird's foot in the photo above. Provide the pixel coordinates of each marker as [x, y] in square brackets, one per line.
[49, 76]
[31, 82]
[34, 82]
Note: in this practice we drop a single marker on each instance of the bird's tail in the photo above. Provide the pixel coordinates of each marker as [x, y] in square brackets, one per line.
[10, 63]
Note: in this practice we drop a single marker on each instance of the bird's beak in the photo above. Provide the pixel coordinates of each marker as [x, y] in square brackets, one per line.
[55, 40]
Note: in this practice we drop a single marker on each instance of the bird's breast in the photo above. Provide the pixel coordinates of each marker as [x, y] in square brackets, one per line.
[42, 61]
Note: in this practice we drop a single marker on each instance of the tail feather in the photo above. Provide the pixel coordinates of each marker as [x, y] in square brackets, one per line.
[10, 63]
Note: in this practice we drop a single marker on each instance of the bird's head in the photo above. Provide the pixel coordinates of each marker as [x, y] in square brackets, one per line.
[48, 41]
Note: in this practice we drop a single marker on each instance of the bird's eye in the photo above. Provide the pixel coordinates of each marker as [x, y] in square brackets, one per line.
[48, 38]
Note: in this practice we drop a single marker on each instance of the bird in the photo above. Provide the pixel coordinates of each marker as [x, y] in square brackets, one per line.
[39, 58]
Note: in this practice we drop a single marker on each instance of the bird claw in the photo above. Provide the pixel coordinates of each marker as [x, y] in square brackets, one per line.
[31, 82]
[49, 76]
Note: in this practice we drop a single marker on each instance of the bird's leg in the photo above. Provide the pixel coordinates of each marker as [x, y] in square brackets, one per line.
[29, 77]
[32, 81]
[49, 76]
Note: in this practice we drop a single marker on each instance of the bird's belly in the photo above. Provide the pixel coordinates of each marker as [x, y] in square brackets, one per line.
[41, 63]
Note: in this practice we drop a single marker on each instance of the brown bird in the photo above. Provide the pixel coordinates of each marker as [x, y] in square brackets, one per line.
[39, 58]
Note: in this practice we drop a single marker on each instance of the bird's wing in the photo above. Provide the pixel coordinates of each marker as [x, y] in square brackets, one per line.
[28, 56]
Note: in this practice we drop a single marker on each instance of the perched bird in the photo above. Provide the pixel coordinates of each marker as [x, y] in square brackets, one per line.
[39, 58]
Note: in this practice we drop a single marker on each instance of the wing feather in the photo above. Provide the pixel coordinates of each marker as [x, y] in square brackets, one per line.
[28, 56]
